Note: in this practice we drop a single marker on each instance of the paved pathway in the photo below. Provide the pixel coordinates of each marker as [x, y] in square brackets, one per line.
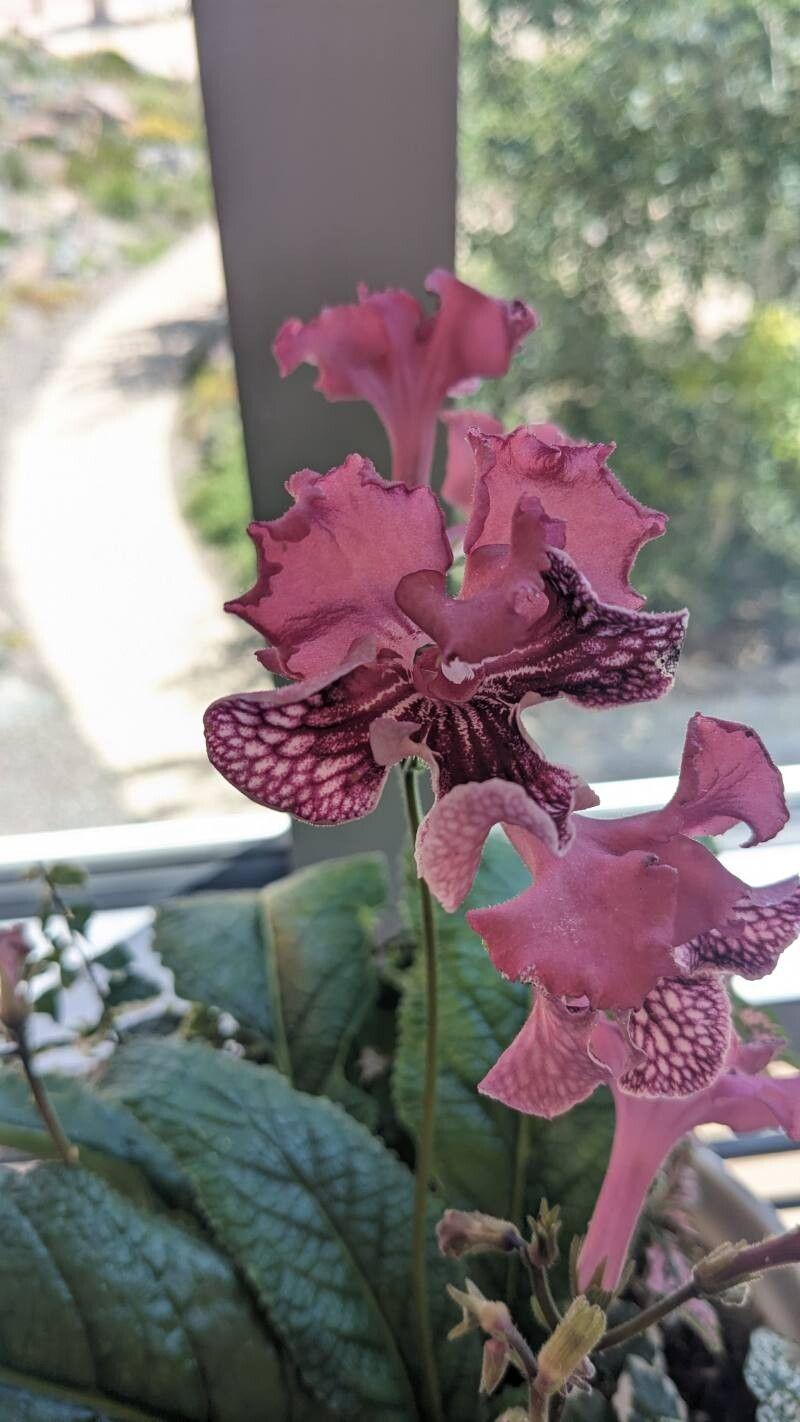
[156, 35]
[108, 584]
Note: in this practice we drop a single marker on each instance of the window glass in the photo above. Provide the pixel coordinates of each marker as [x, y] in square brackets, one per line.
[634, 170]
[122, 470]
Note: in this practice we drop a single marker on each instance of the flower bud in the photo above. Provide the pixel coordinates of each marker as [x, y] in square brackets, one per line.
[496, 1358]
[478, 1312]
[579, 1331]
[543, 1249]
[470, 1232]
[14, 1008]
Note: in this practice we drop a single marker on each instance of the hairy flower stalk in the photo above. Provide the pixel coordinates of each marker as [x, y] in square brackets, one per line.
[424, 1158]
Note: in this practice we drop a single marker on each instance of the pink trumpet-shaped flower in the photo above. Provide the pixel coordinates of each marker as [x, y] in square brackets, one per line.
[744, 1097]
[404, 362]
[352, 594]
[637, 920]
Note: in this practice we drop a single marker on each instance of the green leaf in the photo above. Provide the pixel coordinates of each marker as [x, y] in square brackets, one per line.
[772, 1373]
[320, 929]
[118, 956]
[121, 1308]
[647, 1394]
[19, 1405]
[314, 1210]
[113, 1143]
[482, 1149]
[587, 1407]
[66, 875]
[213, 945]
[128, 986]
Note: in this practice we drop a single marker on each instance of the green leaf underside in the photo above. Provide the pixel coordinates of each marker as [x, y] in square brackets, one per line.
[213, 945]
[772, 1373]
[115, 1144]
[319, 927]
[123, 1312]
[477, 1140]
[315, 1212]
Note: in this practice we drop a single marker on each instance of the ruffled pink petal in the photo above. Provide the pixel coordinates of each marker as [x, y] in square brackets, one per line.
[762, 924]
[753, 1055]
[459, 474]
[756, 1103]
[548, 1068]
[606, 526]
[707, 891]
[683, 1031]
[328, 568]
[727, 775]
[594, 654]
[387, 351]
[595, 926]
[472, 337]
[306, 748]
[499, 604]
[452, 834]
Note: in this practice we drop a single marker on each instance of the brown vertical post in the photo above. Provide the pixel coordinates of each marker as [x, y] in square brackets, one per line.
[332, 132]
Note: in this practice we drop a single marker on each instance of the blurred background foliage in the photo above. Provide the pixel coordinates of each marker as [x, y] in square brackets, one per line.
[633, 168]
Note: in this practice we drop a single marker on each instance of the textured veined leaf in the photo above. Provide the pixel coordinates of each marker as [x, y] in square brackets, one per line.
[121, 1309]
[319, 925]
[772, 1373]
[315, 1212]
[113, 1142]
[213, 945]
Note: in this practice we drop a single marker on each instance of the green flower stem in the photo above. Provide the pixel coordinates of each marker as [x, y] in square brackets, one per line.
[425, 1141]
[518, 1192]
[540, 1286]
[648, 1316]
[65, 1148]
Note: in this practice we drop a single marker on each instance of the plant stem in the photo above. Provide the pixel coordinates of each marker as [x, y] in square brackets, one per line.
[518, 1193]
[648, 1316]
[77, 941]
[65, 1148]
[538, 1407]
[425, 1142]
[540, 1284]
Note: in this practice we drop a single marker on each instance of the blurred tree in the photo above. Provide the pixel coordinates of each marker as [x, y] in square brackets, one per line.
[634, 169]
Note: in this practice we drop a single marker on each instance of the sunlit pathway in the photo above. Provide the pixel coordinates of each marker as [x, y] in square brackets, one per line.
[109, 585]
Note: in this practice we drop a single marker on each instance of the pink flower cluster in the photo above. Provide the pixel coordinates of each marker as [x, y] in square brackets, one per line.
[393, 648]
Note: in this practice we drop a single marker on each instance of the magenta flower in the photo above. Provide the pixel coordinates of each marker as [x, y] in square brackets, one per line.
[389, 351]
[352, 594]
[638, 920]
[744, 1097]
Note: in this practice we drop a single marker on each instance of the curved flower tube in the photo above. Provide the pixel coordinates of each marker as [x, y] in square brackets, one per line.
[638, 920]
[404, 362]
[745, 1098]
[352, 594]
